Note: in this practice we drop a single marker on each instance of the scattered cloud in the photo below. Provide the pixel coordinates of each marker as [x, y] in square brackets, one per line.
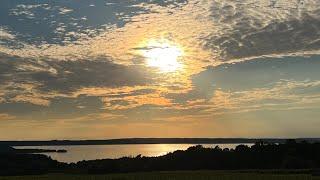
[5, 34]
[67, 64]
[65, 10]
[4, 117]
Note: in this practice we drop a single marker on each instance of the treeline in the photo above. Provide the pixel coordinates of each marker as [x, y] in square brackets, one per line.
[27, 164]
[290, 155]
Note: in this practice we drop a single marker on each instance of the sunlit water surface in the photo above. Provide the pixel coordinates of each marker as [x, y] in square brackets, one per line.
[91, 152]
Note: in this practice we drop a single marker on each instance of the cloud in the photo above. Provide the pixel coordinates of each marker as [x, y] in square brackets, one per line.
[51, 19]
[72, 75]
[83, 66]
[260, 84]
[5, 34]
[59, 108]
[255, 28]
[39, 81]
[221, 31]
[282, 96]
[4, 116]
[65, 10]
[257, 73]
[79, 88]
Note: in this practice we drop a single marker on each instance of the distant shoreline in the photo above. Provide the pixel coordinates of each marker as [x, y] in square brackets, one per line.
[153, 141]
[33, 151]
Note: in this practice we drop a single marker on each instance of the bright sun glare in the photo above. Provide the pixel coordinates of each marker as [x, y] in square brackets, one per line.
[162, 55]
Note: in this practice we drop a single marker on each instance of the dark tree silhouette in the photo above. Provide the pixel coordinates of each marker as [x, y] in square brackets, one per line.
[290, 155]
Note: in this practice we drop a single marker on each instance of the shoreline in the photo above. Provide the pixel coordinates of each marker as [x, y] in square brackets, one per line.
[154, 141]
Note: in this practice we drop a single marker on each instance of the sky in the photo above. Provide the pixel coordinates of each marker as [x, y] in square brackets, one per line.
[101, 69]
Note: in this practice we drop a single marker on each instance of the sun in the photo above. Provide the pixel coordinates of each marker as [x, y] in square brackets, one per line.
[163, 55]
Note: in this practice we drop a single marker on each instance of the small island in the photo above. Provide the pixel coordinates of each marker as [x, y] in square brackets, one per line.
[27, 151]
[9, 149]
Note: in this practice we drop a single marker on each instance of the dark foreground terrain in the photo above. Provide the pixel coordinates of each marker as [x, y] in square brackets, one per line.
[178, 175]
[288, 156]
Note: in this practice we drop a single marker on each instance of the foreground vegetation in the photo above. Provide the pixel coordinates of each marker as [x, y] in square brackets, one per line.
[263, 156]
[178, 175]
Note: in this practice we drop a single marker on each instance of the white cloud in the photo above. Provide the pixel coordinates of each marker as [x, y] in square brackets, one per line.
[4, 34]
[65, 10]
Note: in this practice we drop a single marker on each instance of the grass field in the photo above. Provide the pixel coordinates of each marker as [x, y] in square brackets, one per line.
[185, 175]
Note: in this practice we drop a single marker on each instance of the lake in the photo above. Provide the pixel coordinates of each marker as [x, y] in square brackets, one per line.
[92, 152]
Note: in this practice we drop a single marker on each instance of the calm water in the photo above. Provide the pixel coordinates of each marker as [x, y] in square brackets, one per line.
[91, 152]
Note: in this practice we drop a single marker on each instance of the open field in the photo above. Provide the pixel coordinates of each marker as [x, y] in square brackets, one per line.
[181, 175]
